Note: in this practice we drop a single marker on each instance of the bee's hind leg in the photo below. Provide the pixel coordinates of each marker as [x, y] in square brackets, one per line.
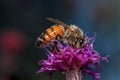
[56, 45]
[58, 37]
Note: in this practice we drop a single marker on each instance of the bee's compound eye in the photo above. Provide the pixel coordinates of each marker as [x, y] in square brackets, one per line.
[81, 41]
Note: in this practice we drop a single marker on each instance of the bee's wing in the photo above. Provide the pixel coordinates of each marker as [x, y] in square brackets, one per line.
[58, 22]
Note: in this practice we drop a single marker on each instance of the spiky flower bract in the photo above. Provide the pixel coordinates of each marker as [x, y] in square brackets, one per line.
[72, 61]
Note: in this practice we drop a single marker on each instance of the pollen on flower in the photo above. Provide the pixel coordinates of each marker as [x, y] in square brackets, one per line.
[80, 60]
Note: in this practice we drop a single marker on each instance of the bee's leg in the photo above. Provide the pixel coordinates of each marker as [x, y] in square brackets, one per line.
[55, 47]
[55, 44]
[58, 37]
[78, 43]
[71, 41]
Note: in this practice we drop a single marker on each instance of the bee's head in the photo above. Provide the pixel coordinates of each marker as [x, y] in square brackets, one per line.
[39, 43]
[83, 40]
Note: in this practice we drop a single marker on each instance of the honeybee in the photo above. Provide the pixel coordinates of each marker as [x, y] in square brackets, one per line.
[61, 31]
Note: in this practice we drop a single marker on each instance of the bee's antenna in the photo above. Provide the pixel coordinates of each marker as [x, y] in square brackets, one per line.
[58, 22]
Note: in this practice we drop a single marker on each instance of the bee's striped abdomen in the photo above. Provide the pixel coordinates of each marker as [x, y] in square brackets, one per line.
[52, 32]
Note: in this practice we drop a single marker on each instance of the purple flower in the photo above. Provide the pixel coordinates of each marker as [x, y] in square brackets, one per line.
[84, 59]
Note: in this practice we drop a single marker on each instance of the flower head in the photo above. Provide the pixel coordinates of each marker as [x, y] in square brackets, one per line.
[84, 59]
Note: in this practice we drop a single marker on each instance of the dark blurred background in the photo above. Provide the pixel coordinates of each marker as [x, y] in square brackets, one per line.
[21, 21]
